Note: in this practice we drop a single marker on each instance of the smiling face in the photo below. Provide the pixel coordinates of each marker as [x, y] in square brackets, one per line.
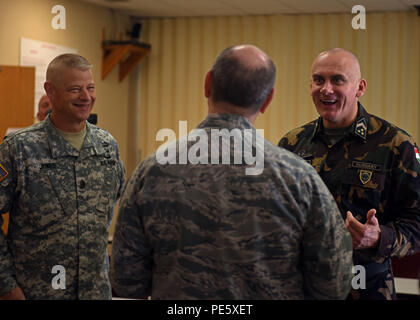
[72, 95]
[336, 86]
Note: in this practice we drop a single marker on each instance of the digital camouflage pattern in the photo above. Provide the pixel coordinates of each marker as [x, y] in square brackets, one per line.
[61, 203]
[373, 166]
[212, 232]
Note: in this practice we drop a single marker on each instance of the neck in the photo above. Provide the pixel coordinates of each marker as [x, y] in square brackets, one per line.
[344, 123]
[67, 126]
[223, 107]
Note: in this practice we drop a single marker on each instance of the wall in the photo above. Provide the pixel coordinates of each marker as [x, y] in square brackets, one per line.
[84, 22]
[184, 49]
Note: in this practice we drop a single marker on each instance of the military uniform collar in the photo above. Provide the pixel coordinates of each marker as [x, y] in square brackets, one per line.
[60, 147]
[93, 144]
[358, 129]
[226, 120]
[318, 129]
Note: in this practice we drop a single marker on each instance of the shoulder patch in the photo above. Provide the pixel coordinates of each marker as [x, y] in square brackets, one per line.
[416, 150]
[3, 173]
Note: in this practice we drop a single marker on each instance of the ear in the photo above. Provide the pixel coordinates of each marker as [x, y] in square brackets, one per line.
[267, 101]
[208, 84]
[48, 88]
[362, 88]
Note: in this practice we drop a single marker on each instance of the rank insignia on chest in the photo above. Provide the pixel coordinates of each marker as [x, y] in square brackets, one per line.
[3, 173]
[361, 128]
[365, 176]
[108, 162]
[416, 150]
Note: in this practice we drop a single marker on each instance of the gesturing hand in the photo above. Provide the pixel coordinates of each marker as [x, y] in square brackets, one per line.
[364, 235]
[15, 294]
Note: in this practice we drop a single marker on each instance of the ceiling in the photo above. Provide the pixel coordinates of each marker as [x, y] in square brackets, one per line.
[195, 8]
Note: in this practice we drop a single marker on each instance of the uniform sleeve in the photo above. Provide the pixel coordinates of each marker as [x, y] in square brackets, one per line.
[7, 185]
[327, 245]
[131, 261]
[401, 236]
[284, 143]
[121, 175]
[295, 137]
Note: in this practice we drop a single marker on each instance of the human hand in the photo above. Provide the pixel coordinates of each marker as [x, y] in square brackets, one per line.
[15, 294]
[364, 235]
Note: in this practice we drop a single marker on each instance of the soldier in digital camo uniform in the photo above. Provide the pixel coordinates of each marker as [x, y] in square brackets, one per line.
[370, 166]
[60, 180]
[212, 231]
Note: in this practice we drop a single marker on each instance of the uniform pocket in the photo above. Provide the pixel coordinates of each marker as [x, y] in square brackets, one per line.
[366, 179]
[103, 213]
[361, 191]
[41, 200]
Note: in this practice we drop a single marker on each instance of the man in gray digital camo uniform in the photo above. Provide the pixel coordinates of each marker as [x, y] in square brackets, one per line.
[212, 231]
[60, 180]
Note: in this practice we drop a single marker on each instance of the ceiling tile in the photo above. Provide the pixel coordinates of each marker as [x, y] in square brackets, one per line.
[252, 7]
[176, 8]
[410, 2]
[316, 6]
[205, 8]
[378, 5]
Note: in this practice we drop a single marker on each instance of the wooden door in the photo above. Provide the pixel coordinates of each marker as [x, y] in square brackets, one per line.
[17, 92]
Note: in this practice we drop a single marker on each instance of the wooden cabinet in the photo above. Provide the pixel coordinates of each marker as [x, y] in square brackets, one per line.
[17, 91]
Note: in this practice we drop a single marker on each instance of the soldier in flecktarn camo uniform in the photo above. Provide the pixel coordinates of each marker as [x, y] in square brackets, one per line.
[60, 180]
[370, 166]
[209, 230]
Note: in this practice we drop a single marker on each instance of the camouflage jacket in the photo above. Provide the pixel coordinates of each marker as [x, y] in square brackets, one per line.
[210, 231]
[61, 203]
[373, 166]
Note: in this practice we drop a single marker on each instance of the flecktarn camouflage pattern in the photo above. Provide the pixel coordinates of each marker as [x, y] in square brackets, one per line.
[209, 231]
[373, 166]
[61, 203]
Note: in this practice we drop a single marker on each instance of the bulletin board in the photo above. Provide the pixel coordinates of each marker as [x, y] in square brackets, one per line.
[39, 54]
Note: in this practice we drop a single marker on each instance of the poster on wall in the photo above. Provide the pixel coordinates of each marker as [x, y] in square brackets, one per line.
[39, 54]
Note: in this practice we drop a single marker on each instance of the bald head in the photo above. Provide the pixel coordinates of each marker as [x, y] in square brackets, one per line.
[336, 86]
[341, 57]
[250, 56]
[243, 76]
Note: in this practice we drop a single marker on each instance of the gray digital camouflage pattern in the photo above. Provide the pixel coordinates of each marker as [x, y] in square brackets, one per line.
[212, 232]
[373, 166]
[61, 203]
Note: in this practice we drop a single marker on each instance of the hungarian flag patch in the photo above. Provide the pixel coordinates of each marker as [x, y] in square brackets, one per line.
[3, 173]
[416, 150]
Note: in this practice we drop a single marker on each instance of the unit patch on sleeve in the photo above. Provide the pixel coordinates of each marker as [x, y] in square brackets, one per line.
[416, 150]
[3, 173]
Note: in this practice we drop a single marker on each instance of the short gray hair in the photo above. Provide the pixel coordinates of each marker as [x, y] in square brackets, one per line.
[69, 60]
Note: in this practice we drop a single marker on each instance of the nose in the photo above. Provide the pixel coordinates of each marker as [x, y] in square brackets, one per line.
[327, 88]
[84, 94]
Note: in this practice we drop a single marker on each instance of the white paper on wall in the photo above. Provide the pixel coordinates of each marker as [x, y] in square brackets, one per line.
[39, 54]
